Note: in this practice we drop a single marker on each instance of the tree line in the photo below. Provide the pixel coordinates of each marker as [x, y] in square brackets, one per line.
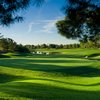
[89, 44]
[9, 45]
[52, 46]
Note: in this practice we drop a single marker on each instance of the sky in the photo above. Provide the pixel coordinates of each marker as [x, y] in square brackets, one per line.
[38, 26]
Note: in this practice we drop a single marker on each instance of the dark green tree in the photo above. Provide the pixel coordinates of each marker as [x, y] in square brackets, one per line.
[21, 49]
[9, 10]
[82, 20]
[7, 45]
[11, 45]
[3, 45]
[43, 46]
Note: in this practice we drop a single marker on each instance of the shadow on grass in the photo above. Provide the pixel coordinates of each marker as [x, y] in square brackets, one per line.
[51, 55]
[56, 56]
[4, 78]
[32, 61]
[94, 55]
[4, 56]
[47, 92]
[22, 54]
[70, 83]
[83, 71]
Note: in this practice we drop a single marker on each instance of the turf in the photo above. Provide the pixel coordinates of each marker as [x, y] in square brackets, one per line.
[63, 76]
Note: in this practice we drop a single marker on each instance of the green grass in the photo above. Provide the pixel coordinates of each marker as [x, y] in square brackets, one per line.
[63, 76]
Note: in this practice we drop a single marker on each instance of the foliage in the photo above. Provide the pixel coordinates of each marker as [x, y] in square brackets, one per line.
[89, 44]
[22, 49]
[81, 20]
[52, 46]
[9, 45]
[9, 10]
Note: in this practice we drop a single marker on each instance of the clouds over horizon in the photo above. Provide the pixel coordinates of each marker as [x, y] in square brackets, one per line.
[44, 26]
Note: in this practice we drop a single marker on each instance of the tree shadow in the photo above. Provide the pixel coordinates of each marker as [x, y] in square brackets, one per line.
[83, 71]
[4, 78]
[22, 54]
[94, 59]
[57, 56]
[94, 55]
[47, 92]
[32, 61]
[4, 56]
[60, 82]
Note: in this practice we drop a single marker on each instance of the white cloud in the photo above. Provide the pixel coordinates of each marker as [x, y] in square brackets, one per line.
[46, 26]
[49, 26]
[30, 27]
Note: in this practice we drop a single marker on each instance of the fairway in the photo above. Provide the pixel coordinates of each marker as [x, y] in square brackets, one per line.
[67, 75]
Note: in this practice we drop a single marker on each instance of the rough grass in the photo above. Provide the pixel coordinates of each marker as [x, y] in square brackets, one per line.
[64, 76]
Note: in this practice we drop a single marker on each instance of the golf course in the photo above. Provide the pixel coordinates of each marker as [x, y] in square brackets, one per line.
[65, 74]
[49, 49]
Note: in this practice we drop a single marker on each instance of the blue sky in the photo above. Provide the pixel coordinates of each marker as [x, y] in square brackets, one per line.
[38, 26]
